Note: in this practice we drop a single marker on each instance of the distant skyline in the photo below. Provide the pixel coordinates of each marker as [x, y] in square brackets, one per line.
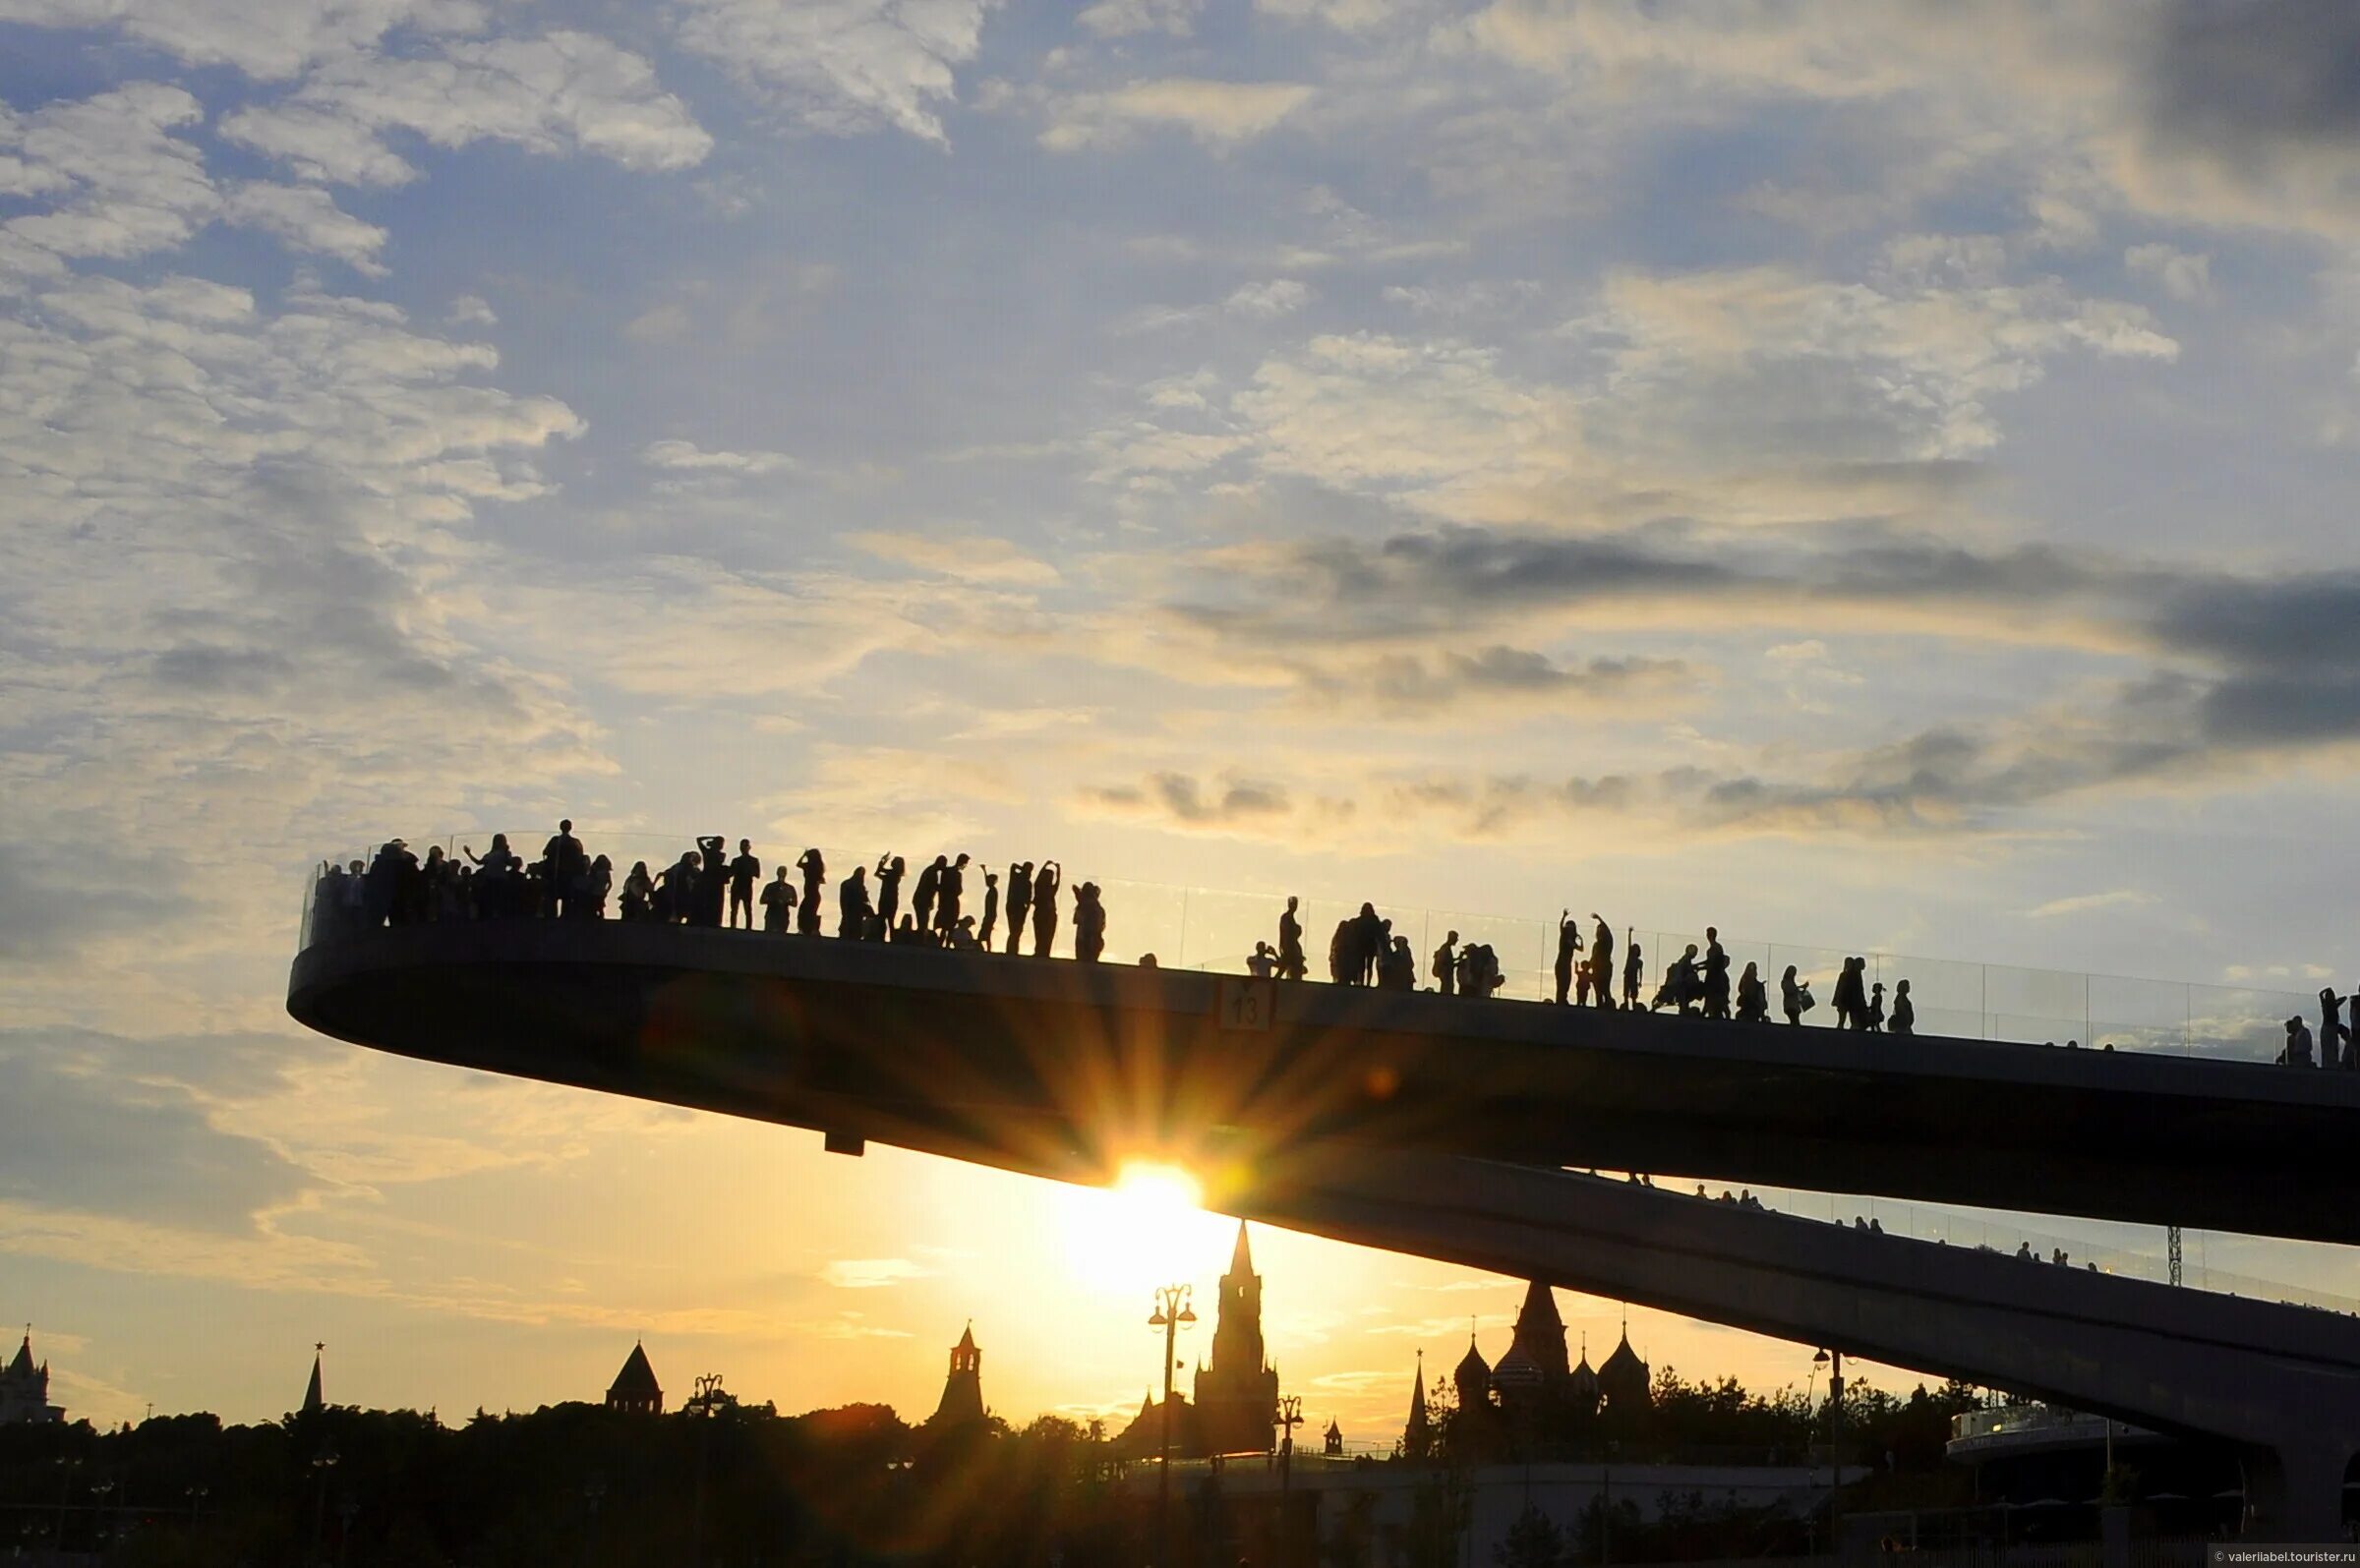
[1875, 477]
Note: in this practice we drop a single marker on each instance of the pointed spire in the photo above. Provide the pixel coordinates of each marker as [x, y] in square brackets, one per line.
[1417, 1432]
[1241, 1257]
[312, 1404]
[967, 1341]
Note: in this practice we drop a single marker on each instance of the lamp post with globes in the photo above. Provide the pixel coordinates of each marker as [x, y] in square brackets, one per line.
[1171, 1310]
[1833, 1361]
[1290, 1416]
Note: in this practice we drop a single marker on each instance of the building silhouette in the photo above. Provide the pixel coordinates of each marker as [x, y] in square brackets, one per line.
[1237, 1389]
[962, 1403]
[1333, 1444]
[312, 1401]
[25, 1390]
[1417, 1432]
[1625, 1395]
[634, 1389]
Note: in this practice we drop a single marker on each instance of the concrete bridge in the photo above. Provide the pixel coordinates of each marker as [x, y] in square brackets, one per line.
[966, 1054]
[1437, 1125]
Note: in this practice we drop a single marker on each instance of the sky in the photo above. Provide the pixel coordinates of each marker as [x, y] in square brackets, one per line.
[1874, 476]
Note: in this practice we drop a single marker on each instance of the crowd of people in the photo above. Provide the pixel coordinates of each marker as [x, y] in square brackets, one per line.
[709, 886]
[2338, 1044]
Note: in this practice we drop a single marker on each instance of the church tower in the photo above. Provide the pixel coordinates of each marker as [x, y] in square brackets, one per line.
[313, 1402]
[963, 1391]
[25, 1390]
[1541, 1335]
[1237, 1391]
[635, 1389]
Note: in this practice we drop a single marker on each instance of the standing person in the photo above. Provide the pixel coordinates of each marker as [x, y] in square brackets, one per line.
[952, 883]
[929, 888]
[814, 867]
[1290, 943]
[1020, 902]
[1341, 968]
[2298, 1043]
[991, 910]
[563, 864]
[711, 885]
[851, 902]
[1367, 943]
[1872, 1020]
[1568, 943]
[1905, 1012]
[1445, 964]
[1397, 967]
[1634, 972]
[1753, 998]
[744, 872]
[777, 900]
[1794, 996]
[639, 892]
[1045, 883]
[1602, 961]
[1716, 975]
[890, 872]
[1851, 1000]
[597, 882]
[1089, 923]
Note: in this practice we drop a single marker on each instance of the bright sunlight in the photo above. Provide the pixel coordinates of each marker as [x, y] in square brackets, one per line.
[1144, 1231]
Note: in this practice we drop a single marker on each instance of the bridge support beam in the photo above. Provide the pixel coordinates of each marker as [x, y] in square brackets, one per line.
[2294, 1491]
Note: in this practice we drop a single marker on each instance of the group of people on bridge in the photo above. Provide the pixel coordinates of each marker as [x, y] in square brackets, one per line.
[2338, 1044]
[708, 885]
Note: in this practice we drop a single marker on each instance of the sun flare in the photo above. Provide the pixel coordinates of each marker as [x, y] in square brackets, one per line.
[1145, 1229]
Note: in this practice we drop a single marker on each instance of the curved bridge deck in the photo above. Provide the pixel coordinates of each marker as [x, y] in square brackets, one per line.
[1061, 1069]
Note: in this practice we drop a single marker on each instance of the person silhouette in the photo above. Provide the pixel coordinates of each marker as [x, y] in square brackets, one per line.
[1794, 996]
[1397, 967]
[1445, 964]
[1369, 942]
[851, 902]
[712, 882]
[907, 932]
[597, 882]
[1020, 902]
[1261, 962]
[1753, 998]
[814, 867]
[1714, 984]
[1045, 883]
[950, 883]
[2333, 1035]
[563, 864]
[1873, 1019]
[890, 871]
[1905, 1012]
[1568, 943]
[675, 901]
[1851, 998]
[1602, 961]
[744, 872]
[1341, 968]
[1290, 943]
[638, 889]
[1089, 923]
[991, 908]
[2298, 1044]
[963, 936]
[777, 900]
[1635, 974]
[929, 888]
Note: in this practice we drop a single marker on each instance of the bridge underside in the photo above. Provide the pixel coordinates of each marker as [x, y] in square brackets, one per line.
[1065, 1069]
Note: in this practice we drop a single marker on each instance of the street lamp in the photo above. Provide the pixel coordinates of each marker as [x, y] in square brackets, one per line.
[1171, 1310]
[99, 1490]
[196, 1496]
[1290, 1416]
[1833, 1361]
[322, 1463]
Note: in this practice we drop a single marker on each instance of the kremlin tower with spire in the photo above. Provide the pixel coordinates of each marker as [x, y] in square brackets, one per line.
[25, 1390]
[1237, 1391]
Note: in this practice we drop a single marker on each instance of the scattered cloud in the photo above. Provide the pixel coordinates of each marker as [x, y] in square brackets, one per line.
[870, 1273]
[1216, 114]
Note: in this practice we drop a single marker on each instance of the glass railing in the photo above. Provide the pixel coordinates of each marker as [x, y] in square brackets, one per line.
[1215, 930]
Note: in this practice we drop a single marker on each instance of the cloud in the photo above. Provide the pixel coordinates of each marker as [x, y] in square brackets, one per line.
[1120, 18]
[2177, 273]
[141, 1151]
[561, 92]
[1460, 685]
[1182, 801]
[688, 457]
[843, 66]
[304, 217]
[1267, 302]
[2086, 903]
[870, 1273]
[267, 42]
[1216, 114]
